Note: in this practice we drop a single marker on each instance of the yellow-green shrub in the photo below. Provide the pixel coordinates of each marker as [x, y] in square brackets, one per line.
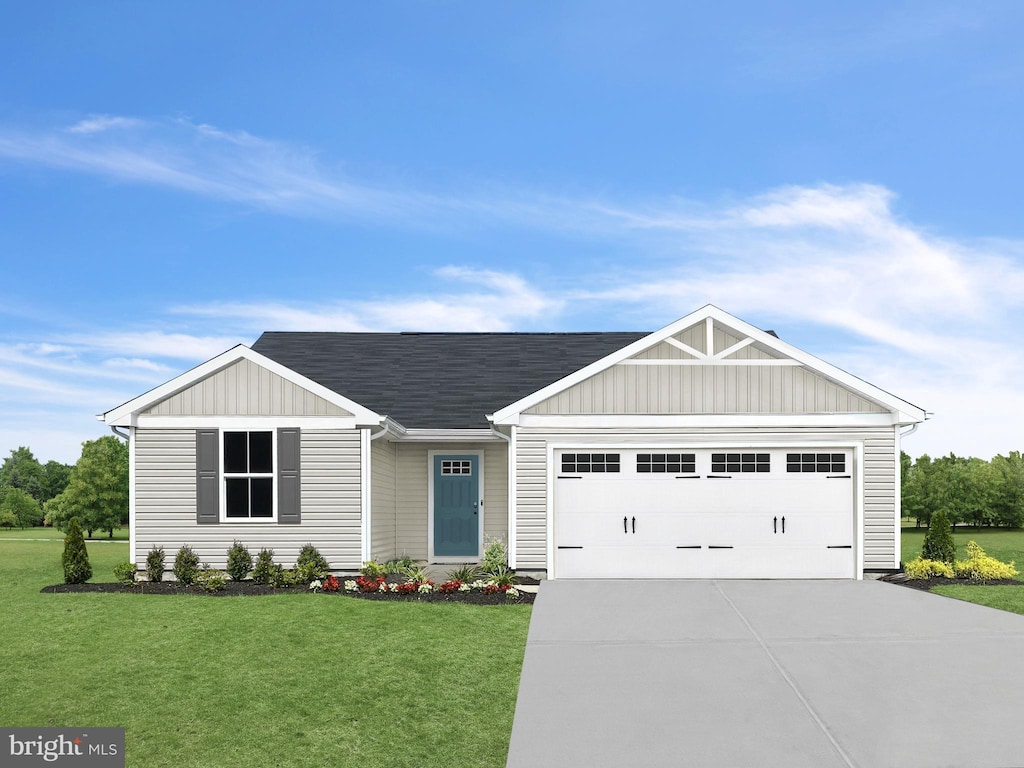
[980, 567]
[922, 568]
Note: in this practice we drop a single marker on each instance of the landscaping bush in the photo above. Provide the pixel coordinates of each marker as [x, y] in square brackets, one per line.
[212, 580]
[495, 557]
[311, 564]
[284, 577]
[155, 564]
[263, 571]
[922, 568]
[980, 567]
[466, 574]
[75, 558]
[399, 565]
[938, 542]
[416, 574]
[186, 565]
[372, 569]
[239, 561]
[125, 573]
[502, 577]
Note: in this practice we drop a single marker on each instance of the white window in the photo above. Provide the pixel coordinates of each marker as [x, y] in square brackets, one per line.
[249, 464]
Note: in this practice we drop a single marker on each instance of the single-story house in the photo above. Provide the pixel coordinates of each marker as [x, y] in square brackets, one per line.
[707, 449]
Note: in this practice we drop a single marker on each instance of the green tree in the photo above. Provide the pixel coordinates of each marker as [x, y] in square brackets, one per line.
[21, 470]
[57, 476]
[1007, 490]
[97, 491]
[938, 542]
[921, 491]
[75, 558]
[17, 503]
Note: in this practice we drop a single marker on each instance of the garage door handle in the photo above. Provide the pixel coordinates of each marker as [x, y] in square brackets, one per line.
[634, 525]
[713, 546]
[840, 477]
[625, 525]
[840, 546]
[783, 523]
[775, 525]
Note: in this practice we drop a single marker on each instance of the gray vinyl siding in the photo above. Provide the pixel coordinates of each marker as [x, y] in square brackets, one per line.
[165, 501]
[878, 477]
[699, 389]
[245, 389]
[383, 460]
[413, 487]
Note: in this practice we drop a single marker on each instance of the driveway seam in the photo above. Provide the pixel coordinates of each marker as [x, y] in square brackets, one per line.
[789, 680]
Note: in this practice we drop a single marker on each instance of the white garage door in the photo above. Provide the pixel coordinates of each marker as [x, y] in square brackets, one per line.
[704, 513]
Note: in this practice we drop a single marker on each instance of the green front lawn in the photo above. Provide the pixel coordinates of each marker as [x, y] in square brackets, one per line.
[288, 680]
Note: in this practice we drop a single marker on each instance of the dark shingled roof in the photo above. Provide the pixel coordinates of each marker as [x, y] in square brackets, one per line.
[438, 380]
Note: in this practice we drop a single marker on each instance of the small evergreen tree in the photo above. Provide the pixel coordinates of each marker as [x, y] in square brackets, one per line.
[938, 542]
[155, 564]
[75, 559]
[263, 571]
[311, 564]
[239, 561]
[186, 565]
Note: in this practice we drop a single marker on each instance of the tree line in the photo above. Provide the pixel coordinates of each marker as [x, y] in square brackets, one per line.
[969, 490]
[95, 489]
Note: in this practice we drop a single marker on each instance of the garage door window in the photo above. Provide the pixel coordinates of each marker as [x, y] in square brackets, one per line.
[741, 462]
[815, 462]
[666, 462]
[590, 462]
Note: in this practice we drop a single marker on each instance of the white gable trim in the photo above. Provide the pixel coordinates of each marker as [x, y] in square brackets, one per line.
[128, 413]
[906, 413]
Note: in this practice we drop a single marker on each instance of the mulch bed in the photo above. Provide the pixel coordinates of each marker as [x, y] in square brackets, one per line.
[248, 588]
[941, 581]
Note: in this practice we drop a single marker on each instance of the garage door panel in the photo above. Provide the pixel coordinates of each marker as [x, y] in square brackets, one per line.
[767, 522]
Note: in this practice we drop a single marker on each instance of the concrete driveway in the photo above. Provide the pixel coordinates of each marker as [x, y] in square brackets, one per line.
[767, 673]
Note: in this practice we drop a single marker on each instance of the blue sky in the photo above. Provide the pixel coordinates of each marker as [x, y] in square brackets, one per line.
[177, 177]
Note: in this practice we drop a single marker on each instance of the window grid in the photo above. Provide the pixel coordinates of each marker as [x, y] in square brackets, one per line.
[590, 462]
[815, 462]
[456, 467]
[248, 475]
[666, 462]
[741, 462]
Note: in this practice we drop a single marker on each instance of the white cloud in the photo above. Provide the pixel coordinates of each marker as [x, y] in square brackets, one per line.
[101, 123]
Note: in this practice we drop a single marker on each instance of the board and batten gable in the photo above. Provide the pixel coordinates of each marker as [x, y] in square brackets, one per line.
[165, 501]
[245, 388]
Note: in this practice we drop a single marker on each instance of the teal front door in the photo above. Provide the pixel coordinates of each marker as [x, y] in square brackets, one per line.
[457, 506]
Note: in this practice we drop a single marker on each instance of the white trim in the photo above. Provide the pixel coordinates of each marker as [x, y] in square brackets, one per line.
[513, 477]
[734, 348]
[714, 361]
[233, 422]
[132, 493]
[694, 421]
[365, 498]
[769, 441]
[127, 414]
[710, 331]
[447, 436]
[906, 412]
[224, 476]
[481, 510]
[898, 498]
[685, 348]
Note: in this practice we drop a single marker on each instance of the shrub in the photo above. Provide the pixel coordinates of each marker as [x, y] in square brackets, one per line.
[211, 580]
[186, 565]
[399, 565]
[239, 561]
[416, 574]
[495, 557]
[980, 567]
[503, 577]
[372, 569]
[263, 571]
[125, 573]
[464, 573]
[75, 558]
[938, 542]
[155, 564]
[922, 568]
[311, 565]
[284, 577]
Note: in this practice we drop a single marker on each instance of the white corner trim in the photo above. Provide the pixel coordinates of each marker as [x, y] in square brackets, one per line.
[366, 499]
[132, 494]
[513, 464]
[898, 497]
[126, 414]
[710, 314]
[858, 486]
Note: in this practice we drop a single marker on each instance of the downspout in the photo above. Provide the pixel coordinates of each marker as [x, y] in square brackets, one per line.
[909, 432]
[122, 435]
[510, 493]
[386, 422]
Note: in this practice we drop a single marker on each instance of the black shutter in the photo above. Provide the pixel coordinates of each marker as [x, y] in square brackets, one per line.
[289, 495]
[207, 476]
